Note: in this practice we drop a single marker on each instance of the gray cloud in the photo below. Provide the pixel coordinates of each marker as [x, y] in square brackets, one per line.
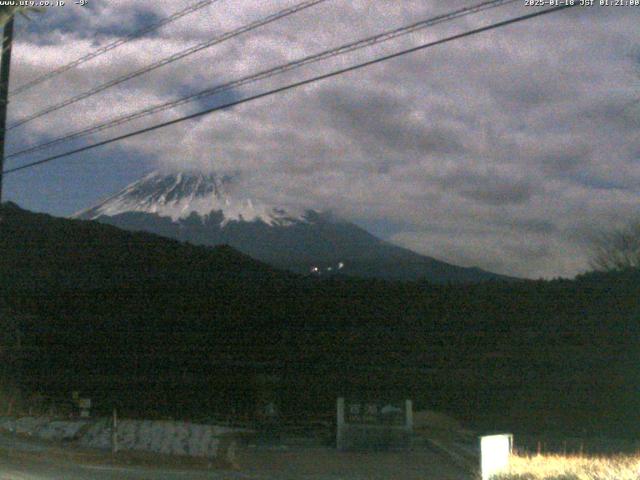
[488, 189]
[503, 150]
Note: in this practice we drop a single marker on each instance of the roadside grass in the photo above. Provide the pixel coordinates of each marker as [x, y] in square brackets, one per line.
[571, 467]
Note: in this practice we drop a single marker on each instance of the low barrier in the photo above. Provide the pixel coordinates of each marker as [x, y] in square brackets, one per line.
[166, 437]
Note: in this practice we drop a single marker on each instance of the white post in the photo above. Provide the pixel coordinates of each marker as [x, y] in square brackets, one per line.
[340, 422]
[408, 407]
[495, 451]
[114, 432]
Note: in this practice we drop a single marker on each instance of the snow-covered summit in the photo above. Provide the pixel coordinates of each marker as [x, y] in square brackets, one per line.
[305, 242]
[178, 195]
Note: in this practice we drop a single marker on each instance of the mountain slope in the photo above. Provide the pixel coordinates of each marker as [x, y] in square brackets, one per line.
[204, 209]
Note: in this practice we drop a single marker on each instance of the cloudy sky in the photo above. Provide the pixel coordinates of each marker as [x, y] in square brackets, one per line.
[506, 150]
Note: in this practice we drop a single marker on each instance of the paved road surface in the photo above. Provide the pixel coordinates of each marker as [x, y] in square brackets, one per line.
[23, 459]
[27, 460]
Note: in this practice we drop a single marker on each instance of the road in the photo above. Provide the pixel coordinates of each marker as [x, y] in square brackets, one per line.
[22, 459]
[19, 470]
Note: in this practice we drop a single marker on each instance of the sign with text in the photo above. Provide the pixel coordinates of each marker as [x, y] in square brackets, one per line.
[373, 424]
[375, 412]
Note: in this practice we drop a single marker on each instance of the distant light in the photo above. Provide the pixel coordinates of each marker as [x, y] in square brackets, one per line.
[329, 269]
[340, 265]
[315, 270]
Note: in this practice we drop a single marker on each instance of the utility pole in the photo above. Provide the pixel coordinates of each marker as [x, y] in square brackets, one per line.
[5, 66]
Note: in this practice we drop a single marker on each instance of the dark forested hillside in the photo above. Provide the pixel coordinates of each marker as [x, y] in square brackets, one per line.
[160, 327]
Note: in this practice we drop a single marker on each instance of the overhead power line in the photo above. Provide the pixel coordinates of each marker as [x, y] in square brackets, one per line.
[102, 50]
[291, 86]
[262, 75]
[165, 61]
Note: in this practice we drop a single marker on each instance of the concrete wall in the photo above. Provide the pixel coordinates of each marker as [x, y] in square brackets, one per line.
[167, 437]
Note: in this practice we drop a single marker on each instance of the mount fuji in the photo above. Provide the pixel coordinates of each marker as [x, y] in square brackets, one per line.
[205, 209]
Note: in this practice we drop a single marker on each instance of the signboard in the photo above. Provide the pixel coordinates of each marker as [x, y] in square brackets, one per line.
[375, 413]
[373, 424]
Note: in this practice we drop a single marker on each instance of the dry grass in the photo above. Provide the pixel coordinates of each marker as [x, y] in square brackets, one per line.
[576, 467]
